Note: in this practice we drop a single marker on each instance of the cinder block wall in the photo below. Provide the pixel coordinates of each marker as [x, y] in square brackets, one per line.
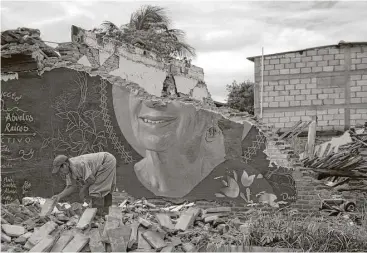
[328, 82]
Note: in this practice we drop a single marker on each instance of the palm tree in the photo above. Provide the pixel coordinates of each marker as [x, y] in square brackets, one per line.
[149, 27]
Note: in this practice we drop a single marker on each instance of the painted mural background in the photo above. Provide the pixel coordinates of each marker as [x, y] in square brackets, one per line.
[168, 150]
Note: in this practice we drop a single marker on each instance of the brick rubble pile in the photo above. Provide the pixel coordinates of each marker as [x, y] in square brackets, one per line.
[132, 226]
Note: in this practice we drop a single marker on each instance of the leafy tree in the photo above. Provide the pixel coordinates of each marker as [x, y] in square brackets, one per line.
[149, 27]
[241, 96]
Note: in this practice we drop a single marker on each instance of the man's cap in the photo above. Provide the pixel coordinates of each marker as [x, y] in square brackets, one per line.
[58, 161]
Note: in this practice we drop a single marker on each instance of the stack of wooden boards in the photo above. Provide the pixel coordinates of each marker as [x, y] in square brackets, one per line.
[342, 167]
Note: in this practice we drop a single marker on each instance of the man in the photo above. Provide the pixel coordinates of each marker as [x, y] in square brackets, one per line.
[95, 173]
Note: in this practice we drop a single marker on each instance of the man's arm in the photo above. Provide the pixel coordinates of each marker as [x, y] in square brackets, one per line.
[69, 189]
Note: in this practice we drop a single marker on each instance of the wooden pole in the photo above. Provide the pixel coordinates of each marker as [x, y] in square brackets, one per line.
[262, 83]
[311, 139]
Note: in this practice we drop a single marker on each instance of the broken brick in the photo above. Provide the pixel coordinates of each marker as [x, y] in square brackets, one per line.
[76, 244]
[13, 230]
[164, 220]
[142, 243]
[144, 222]
[61, 243]
[168, 248]
[23, 238]
[5, 238]
[115, 211]
[95, 242]
[44, 245]
[28, 245]
[188, 247]
[154, 239]
[111, 223]
[134, 234]
[187, 218]
[217, 214]
[86, 218]
[218, 209]
[116, 239]
[3, 221]
[211, 218]
[45, 230]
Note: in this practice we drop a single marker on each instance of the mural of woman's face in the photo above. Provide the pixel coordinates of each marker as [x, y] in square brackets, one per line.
[152, 125]
[156, 125]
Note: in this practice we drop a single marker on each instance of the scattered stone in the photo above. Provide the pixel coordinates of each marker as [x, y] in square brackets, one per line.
[115, 211]
[76, 244]
[168, 248]
[44, 245]
[23, 238]
[111, 223]
[218, 210]
[28, 245]
[144, 222]
[3, 221]
[164, 220]
[142, 243]
[5, 238]
[45, 230]
[116, 238]
[134, 234]
[13, 230]
[95, 242]
[62, 217]
[86, 219]
[189, 247]
[217, 214]
[154, 239]
[62, 242]
[211, 218]
[187, 219]
[48, 207]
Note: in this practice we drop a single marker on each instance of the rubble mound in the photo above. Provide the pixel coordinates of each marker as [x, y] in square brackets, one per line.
[22, 39]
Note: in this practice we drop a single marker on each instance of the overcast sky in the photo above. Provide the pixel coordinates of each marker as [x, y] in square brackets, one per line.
[223, 33]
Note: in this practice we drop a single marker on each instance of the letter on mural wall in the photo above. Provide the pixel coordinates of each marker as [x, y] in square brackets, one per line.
[170, 150]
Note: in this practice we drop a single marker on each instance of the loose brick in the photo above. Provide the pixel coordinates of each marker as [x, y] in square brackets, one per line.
[142, 243]
[43, 231]
[95, 241]
[187, 218]
[62, 242]
[164, 220]
[13, 230]
[86, 219]
[76, 244]
[111, 223]
[48, 207]
[154, 239]
[117, 239]
[44, 245]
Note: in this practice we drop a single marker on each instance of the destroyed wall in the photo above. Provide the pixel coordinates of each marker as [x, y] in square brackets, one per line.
[329, 82]
[168, 144]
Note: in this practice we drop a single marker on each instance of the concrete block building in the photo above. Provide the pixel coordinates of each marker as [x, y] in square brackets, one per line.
[328, 83]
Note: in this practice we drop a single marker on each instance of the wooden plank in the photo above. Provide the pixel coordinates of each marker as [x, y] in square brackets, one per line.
[76, 244]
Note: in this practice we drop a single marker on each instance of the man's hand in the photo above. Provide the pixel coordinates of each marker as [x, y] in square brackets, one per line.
[83, 193]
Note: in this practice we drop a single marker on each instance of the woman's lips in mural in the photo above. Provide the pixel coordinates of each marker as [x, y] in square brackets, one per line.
[157, 120]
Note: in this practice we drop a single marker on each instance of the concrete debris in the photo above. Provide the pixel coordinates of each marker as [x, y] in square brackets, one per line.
[132, 226]
[13, 230]
[86, 218]
[48, 207]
